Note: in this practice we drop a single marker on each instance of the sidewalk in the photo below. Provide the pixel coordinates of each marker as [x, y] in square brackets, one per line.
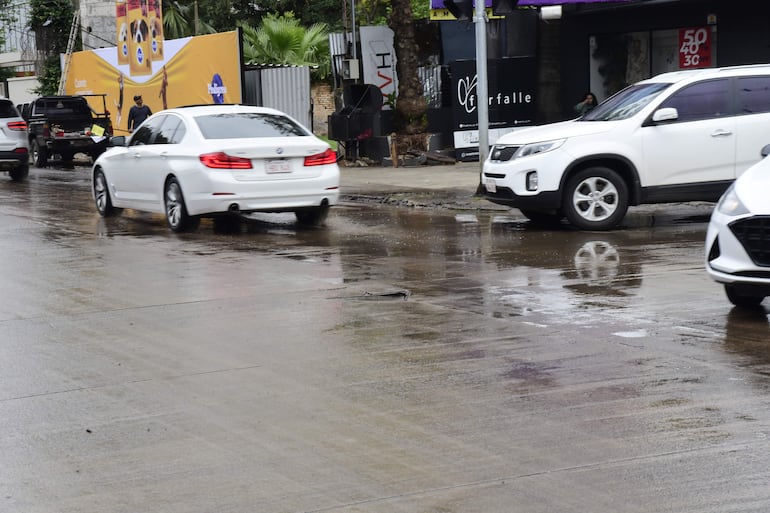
[451, 185]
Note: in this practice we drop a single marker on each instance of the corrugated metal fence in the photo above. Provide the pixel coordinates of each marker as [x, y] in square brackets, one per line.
[283, 88]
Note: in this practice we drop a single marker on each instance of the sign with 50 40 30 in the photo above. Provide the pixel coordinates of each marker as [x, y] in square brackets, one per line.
[695, 48]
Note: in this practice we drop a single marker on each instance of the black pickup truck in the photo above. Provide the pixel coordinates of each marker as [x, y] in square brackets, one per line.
[65, 125]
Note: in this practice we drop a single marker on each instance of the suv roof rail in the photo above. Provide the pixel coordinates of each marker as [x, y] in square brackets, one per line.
[744, 66]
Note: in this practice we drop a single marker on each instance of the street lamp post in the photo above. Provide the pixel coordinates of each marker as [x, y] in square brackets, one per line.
[482, 91]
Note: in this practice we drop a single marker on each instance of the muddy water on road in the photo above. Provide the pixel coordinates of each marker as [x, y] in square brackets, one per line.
[407, 360]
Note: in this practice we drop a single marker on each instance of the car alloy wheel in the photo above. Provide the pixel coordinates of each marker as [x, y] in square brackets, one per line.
[102, 195]
[176, 212]
[597, 199]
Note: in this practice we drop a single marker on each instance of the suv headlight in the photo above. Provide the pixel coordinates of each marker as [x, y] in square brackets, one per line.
[540, 147]
[730, 204]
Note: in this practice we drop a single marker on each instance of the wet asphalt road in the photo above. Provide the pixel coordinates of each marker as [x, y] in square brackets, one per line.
[399, 360]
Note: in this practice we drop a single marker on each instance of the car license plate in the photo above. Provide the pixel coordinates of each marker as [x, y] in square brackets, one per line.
[490, 184]
[278, 166]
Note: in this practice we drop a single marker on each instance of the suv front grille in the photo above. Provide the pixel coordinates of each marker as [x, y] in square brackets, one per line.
[503, 153]
[754, 234]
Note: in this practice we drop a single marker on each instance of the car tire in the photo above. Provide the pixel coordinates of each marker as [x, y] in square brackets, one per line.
[595, 198]
[20, 173]
[39, 154]
[315, 216]
[743, 300]
[543, 218]
[176, 211]
[102, 196]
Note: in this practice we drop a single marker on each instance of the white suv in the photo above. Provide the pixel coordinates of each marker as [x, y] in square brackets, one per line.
[680, 136]
[14, 149]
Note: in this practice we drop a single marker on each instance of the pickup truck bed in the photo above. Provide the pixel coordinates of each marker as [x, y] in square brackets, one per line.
[65, 125]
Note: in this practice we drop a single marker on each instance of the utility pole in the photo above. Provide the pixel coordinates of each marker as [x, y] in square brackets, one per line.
[482, 89]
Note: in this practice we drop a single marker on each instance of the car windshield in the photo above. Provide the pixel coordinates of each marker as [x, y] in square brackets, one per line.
[243, 125]
[626, 103]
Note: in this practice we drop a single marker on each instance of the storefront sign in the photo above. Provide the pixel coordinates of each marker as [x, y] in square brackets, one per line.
[512, 88]
[695, 48]
[379, 60]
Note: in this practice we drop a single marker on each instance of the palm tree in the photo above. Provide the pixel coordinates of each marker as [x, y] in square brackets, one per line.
[282, 40]
[411, 106]
[176, 20]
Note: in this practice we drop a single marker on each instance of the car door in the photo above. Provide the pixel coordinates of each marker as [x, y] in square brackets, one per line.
[157, 159]
[699, 145]
[133, 169]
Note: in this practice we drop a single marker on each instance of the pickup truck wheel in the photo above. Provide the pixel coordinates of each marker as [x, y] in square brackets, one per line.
[176, 212]
[20, 173]
[102, 195]
[595, 198]
[39, 154]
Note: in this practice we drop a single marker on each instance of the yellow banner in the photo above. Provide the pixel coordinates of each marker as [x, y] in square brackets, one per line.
[444, 14]
[194, 70]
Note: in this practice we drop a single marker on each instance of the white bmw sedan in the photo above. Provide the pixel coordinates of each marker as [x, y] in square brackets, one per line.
[738, 237]
[216, 160]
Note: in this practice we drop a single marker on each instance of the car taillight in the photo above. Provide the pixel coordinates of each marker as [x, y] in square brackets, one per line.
[327, 157]
[17, 125]
[221, 160]
[21, 150]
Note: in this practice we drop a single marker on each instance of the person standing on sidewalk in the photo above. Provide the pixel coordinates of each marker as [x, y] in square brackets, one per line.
[138, 113]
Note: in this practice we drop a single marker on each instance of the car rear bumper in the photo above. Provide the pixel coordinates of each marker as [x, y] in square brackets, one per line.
[12, 160]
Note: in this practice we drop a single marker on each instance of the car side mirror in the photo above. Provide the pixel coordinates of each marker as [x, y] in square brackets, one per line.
[119, 140]
[765, 150]
[665, 114]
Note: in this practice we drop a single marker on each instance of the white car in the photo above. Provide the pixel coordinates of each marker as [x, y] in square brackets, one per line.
[738, 237]
[680, 136]
[217, 160]
[14, 148]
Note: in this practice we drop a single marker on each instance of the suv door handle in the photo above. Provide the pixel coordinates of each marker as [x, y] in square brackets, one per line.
[721, 133]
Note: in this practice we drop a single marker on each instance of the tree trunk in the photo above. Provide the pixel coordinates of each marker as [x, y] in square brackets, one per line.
[411, 107]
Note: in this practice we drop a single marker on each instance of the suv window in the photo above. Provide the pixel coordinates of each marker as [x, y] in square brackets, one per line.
[753, 95]
[704, 100]
[7, 110]
[626, 103]
[62, 107]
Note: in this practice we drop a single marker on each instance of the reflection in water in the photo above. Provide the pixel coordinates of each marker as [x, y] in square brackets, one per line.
[597, 262]
[748, 334]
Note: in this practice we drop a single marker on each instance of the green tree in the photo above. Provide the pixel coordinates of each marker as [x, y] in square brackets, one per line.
[283, 40]
[7, 19]
[179, 20]
[52, 22]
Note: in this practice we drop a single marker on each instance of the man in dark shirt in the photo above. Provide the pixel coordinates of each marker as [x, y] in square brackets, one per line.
[138, 113]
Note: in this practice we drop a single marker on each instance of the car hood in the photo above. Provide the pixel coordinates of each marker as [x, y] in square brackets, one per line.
[552, 131]
[752, 187]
